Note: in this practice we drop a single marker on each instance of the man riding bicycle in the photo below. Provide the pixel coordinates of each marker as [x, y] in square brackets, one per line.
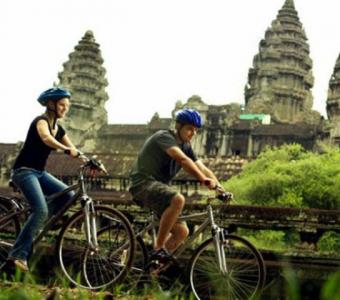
[161, 157]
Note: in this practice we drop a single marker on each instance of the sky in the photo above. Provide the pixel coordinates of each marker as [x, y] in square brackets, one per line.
[155, 52]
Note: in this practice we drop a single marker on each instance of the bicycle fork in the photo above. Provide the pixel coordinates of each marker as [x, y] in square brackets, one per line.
[90, 224]
[219, 243]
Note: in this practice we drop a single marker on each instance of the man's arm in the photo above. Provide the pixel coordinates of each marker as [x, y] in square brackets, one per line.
[207, 172]
[189, 166]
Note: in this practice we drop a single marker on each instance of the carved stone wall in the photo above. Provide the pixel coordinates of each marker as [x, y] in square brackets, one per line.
[214, 137]
[122, 138]
[8, 154]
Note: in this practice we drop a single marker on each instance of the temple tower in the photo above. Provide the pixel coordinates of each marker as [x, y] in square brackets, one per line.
[84, 76]
[333, 104]
[280, 81]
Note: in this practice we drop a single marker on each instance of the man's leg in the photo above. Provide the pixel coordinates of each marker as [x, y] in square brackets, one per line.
[179, 233]
[168, 220]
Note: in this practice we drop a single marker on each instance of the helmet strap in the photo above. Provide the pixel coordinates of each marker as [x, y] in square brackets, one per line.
[179, 126]
[53, 112]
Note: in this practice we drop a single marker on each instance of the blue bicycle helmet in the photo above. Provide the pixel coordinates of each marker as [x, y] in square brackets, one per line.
[189, 116]
[53, 94]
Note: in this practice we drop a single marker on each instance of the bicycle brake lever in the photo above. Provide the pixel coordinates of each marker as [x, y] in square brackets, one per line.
[103, 169]
[97, 165]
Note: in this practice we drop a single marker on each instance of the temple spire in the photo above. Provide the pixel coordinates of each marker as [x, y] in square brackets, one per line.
[84, 76]
[280, 81]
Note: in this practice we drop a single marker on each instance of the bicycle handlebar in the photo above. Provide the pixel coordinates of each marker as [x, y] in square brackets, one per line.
[221, 195]
[92, 163]
[225, 196]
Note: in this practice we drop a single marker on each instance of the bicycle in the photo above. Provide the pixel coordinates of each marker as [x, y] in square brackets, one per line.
[88, 259]
[225, 266]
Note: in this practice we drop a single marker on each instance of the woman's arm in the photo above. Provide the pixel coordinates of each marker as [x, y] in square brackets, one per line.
[67, 142]
[49, 139]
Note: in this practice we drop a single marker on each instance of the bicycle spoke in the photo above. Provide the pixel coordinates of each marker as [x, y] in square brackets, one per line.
[241, 280]
[101, 265]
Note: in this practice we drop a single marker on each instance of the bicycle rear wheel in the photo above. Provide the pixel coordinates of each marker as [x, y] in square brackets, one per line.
[109, 262]
[136, 277]
[245, 274]
[9, 230]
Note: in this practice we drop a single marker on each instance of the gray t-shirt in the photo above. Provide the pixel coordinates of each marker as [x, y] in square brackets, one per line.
[153, 163]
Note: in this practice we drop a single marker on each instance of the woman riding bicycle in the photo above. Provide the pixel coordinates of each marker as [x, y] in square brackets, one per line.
[28, 173]
[159, 160]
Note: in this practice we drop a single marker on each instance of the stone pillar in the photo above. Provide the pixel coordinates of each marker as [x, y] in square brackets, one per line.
[250, 145]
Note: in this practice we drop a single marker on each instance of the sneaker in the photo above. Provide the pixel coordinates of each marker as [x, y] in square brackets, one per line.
[21, 264]
[159, 261]
[161, 255]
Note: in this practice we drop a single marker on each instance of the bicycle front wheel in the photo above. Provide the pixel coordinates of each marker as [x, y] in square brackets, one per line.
[104, 265]
[243, 277]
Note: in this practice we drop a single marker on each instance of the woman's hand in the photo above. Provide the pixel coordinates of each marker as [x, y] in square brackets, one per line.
[220, 188]
[210, 183]
[72, 152]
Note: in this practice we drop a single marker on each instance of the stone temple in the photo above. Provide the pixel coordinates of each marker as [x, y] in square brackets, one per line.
[278, 104]
[280, 81]
[84, 76]
[278, 100]
[333, 104]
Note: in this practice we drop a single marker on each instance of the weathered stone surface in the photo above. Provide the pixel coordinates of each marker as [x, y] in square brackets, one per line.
[7, 155]
[333, 104]
[279, 84]
[214, 138]
[280, 81]
[84, 76]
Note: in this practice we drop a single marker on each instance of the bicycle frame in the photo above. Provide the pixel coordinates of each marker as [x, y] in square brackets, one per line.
[222, 266]
[216, 232]
[85, 200]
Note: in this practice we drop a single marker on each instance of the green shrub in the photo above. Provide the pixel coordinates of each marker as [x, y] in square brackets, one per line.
[289, 176]
[330, 241]
[331, 289]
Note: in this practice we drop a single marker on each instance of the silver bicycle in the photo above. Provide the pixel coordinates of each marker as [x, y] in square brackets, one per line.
[224, 266]
[89, 245]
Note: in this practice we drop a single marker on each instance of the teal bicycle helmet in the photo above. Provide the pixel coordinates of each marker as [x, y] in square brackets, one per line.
[53, 94]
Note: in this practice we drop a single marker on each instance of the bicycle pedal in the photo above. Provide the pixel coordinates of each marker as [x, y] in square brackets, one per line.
[153, 265]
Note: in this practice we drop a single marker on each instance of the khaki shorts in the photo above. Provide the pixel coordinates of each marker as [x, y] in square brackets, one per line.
[154, 195]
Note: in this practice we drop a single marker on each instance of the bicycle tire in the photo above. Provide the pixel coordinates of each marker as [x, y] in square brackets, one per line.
[136, 277]
[245, 271]
[96, 268]
[8, 231]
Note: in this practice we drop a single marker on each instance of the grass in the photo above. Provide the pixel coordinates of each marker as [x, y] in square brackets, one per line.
[23, 287]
